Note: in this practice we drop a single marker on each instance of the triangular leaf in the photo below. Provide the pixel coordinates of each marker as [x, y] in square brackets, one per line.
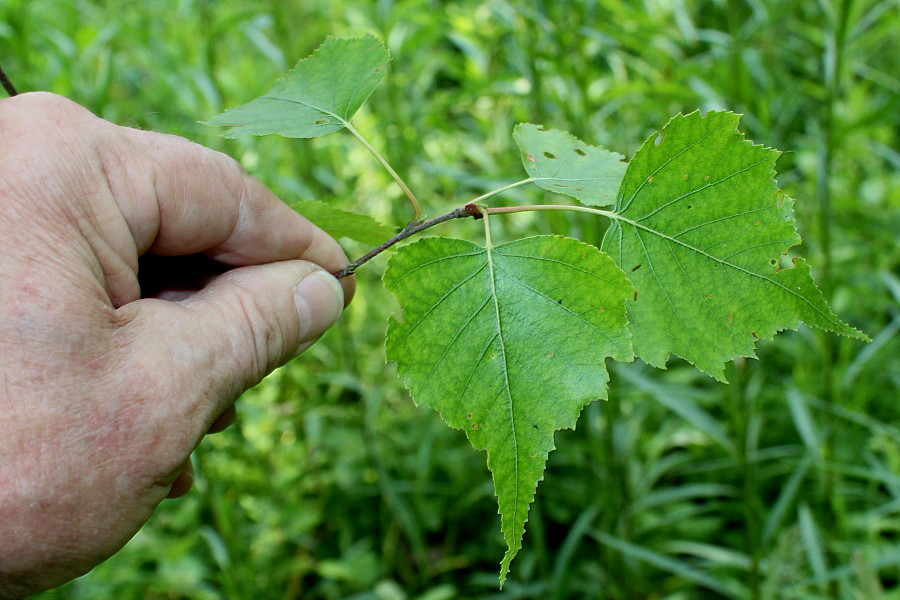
[508, 344]
[340, 223]
[558, 161]
[320, 95]
[701, 235]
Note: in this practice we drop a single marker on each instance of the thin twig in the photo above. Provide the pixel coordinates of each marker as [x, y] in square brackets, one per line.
[7, 84]
[412, 228]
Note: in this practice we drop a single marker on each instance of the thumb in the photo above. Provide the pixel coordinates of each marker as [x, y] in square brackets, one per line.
[226, 337]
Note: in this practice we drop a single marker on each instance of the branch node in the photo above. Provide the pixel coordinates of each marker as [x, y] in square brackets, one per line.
[473, 211]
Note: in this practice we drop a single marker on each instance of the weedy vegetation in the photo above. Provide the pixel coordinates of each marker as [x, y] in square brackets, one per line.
[784, 483]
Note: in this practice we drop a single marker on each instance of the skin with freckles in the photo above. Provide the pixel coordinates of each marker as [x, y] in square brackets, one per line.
[145, 283]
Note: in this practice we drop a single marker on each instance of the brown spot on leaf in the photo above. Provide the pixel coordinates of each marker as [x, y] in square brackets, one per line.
[469, 416]
[650, 179]
[474, 425]
[635, 295]
[531, 157]
[635, 268]
[532, 455]
[730, 319]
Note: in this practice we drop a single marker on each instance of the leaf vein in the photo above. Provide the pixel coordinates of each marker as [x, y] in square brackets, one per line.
[434, 306]
[659, 168]
[720, 219]
[700, 189]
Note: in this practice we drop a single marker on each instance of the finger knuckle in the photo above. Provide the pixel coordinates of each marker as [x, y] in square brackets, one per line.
[42, 113]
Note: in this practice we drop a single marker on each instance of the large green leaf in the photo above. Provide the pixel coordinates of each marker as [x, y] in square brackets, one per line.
[558, 161]
[508, 344]
[339, 223]
[320, 95]
[701, 235]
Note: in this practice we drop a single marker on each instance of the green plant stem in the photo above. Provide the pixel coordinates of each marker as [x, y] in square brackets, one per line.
[384, 163]
[741, 409]
[832, 67]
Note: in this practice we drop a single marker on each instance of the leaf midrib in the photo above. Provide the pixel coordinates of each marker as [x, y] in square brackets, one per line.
[344, 121]
[637, 225]
[512, 418]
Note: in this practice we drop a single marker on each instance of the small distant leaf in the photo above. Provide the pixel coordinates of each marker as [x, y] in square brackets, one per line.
[340, 223]
[319, 96]
[701, 239]
[558, 161]
[508, 344]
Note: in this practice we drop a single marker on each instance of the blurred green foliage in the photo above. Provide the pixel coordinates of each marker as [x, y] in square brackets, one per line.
[784, 484]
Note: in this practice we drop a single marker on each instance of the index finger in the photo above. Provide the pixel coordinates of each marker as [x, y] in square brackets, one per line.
[180, 198]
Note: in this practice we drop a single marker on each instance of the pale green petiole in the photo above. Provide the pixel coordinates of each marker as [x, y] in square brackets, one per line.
[384, 163]
[501, 190]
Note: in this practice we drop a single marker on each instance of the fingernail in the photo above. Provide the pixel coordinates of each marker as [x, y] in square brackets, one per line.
[319, 299]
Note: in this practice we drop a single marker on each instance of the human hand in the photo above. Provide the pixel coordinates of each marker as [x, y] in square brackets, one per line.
[104, 391]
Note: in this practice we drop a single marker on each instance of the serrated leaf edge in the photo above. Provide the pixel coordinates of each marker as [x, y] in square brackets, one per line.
[511, 552]
[330, 39]
[524, 156]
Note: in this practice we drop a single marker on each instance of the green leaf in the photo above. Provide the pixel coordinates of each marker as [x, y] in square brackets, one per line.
[560, 162]
[701, 233]
[319, 96]
[340, 223]
[508, 344]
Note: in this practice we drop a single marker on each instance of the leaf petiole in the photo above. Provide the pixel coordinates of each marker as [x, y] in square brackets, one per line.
[500, 210]
[384, 163]
[501, 190]
[487, 227]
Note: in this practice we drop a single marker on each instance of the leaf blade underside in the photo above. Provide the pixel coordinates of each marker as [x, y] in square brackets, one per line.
[559, 162]
[340, 223]
[318, 96]
[508, 344]
[702, 233]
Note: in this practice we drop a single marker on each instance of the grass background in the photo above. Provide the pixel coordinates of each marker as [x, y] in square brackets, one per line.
[784, 484]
